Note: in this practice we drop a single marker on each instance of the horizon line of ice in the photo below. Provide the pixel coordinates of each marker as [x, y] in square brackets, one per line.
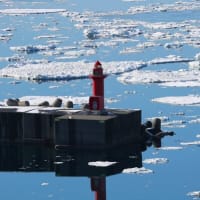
[65, 70]
[78, 70]
[19, 11]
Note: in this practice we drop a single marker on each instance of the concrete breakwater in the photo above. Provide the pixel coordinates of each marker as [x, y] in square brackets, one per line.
[69, 127]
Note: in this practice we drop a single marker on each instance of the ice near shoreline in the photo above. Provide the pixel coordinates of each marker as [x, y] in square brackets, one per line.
[98, 33]
[129, 72]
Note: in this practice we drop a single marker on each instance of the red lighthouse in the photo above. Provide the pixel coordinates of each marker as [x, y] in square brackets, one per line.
[96, 101]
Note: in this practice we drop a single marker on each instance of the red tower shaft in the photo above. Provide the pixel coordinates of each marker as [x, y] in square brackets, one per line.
[96, 101]
[97, 85]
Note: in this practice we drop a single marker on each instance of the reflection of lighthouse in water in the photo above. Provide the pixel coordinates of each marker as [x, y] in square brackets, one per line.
[70, 162]
[98, 185]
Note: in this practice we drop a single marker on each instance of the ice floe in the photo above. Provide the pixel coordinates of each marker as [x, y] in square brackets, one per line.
[35, 100]
[94, 26]
[91, 34]
[145, 45]
[101, 163]
[116, 30]
[44, 184]
[193, 83]
[186, 77]
[180, 100]
[76, 53]
[30, 11]
[195, 121]
[32, 49]
[175, 45]
[162, 118]
[169, 59]
[175, 123]
[155, 161]
[58, 163]
[170, 148]
[77, 100]
[166, 122]
[137, 170]
[130, 50]
[196, 63]
[80, 69]
[15, 58]
[65, 70]
[178, 6]
[190, 143]
[194, 194]
[8, 29]
[46, 37]
[5, 37]
[53, 86]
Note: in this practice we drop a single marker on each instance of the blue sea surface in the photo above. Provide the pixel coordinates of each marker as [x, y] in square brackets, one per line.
[174, 179]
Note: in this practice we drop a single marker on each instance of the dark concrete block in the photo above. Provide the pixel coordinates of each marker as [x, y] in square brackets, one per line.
[38, 127]
[95, 130]
[128, 126]
[10, 126]
[82, 130]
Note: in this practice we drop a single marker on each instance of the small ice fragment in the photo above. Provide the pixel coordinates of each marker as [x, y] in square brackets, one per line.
[195, 194]
[137, 170]
[156, 161]
[190, 143]
[50, 196]
[91, 34]
[14, 82]
[175, 45]
[18, 11]
[194, 65]
[101, 163]
[174, 123]
[53, 86]
[197, 56]
[195, 121]
[170, 148]
[58, 163]
[44, 184]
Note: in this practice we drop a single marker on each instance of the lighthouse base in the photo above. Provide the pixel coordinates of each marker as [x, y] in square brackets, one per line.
[95, 130]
